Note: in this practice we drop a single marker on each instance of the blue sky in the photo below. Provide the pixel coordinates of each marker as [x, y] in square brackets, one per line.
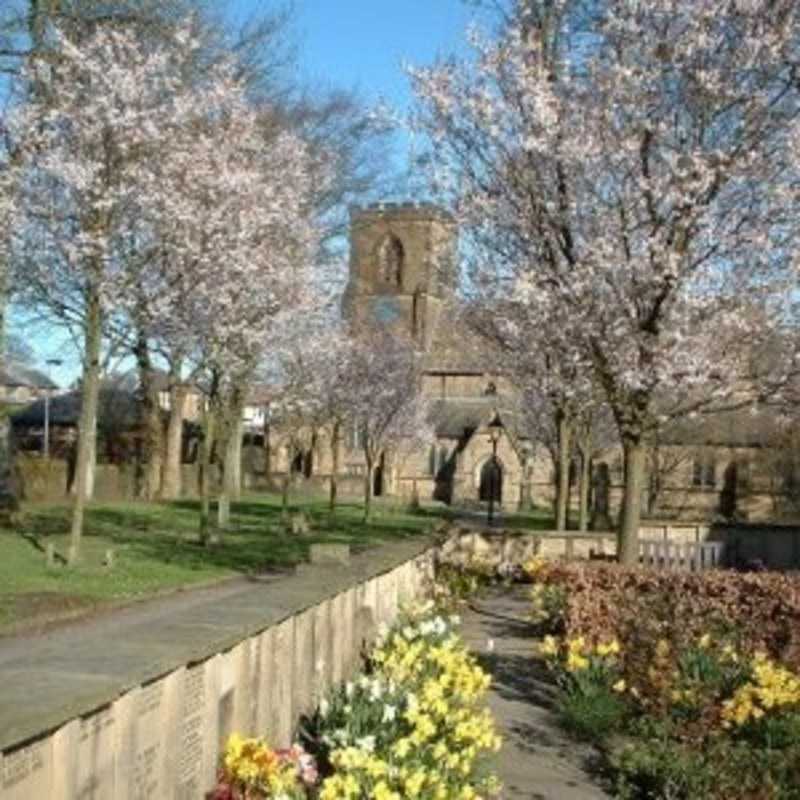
[363, 43]
[357, 44]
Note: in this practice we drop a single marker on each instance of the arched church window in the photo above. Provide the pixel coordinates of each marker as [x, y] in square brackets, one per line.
[391, 260]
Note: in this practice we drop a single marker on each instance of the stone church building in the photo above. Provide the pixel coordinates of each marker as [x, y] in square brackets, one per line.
[403, 274]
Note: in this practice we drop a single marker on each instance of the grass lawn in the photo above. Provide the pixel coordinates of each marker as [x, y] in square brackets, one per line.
[155, 549]
[537, 519]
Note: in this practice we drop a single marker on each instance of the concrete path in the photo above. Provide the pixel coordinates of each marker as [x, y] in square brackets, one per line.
[538, 761]
[49, 679]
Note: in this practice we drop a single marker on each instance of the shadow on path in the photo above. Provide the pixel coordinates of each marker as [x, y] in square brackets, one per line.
[538, 760]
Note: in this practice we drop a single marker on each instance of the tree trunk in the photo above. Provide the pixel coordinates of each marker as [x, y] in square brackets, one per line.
[562, 467]
[267, 451]
[635, 461]
[336, 434]
[230, 474]
[586, 479]
[8, 498]
[368, 492]
[233, 466]
[205, 473]
[230, 427]
[148, 468]
[171, 474]
[287, 479]
[87, 426]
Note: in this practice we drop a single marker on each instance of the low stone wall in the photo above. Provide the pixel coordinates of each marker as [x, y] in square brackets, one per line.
[518, 546]
[253, 664]
[775, 547]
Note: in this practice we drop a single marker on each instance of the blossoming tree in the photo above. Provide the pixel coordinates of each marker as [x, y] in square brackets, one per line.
[383, 393]
[631, 166]
[82, 146]
[240, 241]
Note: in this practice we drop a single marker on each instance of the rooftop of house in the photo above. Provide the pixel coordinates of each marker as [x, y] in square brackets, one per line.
[116, 406]
[15, 374]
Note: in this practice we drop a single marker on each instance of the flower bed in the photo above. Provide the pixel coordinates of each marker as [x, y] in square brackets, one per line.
[413, 724]
[688, 681]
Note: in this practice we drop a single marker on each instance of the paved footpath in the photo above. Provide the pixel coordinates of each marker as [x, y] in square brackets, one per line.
[538, 761]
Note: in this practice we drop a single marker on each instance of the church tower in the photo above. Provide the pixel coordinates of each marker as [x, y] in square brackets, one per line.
[402, 266]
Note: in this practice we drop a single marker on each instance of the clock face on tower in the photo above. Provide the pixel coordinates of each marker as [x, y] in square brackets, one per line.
[386, 310]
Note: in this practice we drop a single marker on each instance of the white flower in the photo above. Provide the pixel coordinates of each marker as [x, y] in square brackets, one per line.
[409, 632]
[324, 707]
[349, 688]
[366, 743]
[376, 691]
[389, 713]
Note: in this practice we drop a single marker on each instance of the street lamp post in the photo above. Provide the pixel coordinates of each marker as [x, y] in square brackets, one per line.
[494, 437]
[52, 362]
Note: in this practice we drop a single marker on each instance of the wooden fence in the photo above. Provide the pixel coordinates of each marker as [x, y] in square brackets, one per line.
[694, 556]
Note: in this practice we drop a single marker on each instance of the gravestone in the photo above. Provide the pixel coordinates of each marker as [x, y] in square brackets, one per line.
[27, 772]
[265, 688]
[283, 717]
[330, 553]
[304, 666]
[197, 738]
[147, 718]
[323, 648]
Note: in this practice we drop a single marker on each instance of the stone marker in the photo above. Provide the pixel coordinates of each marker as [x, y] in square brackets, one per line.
[387, 598]
[27, 772]
[303, 689]
[283, 717]
[299, 524]
[323, 648]
[147, 717]
[340, 622]
[330, 554]
[347, 634]
[264, 708]
[92, 761]
[196, 759]
[232, 688]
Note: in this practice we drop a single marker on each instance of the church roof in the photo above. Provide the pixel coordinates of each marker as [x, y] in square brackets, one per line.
[744, 427]
[455, 417]
[455, 348]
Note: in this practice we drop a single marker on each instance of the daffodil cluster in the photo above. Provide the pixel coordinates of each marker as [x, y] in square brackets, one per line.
[577, 654]
[422, 724]
[548, 602]
[771, 688]
[252, 769]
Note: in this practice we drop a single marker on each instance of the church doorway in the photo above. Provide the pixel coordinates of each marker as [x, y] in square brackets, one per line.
[491, 482]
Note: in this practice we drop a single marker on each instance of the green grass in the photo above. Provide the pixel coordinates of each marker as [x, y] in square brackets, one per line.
[156, 548]
[537, 519]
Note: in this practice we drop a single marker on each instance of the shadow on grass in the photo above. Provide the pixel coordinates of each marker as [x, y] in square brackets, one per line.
[257, 540]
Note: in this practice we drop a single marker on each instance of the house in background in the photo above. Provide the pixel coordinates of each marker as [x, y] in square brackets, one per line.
[20, 385]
